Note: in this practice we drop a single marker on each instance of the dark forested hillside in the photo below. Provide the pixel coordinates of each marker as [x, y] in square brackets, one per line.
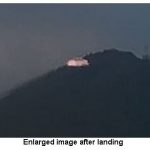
[110, 97]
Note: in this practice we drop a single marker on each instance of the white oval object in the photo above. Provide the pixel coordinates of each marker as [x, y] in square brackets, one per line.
[77, 62]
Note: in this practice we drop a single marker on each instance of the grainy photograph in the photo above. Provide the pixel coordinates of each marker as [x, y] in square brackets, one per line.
[74, 70]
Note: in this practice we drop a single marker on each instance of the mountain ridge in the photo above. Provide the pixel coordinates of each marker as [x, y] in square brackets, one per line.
[107, 98]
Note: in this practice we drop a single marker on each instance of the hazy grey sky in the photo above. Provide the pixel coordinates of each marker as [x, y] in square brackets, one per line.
[36, 38]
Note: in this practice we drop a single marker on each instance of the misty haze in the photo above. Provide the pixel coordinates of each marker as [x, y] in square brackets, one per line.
[74, 70]
[37, 38]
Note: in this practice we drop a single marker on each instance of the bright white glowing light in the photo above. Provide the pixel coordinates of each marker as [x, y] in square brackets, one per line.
[77, 62]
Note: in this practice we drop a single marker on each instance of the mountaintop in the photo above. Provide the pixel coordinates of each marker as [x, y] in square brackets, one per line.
[109, 97]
